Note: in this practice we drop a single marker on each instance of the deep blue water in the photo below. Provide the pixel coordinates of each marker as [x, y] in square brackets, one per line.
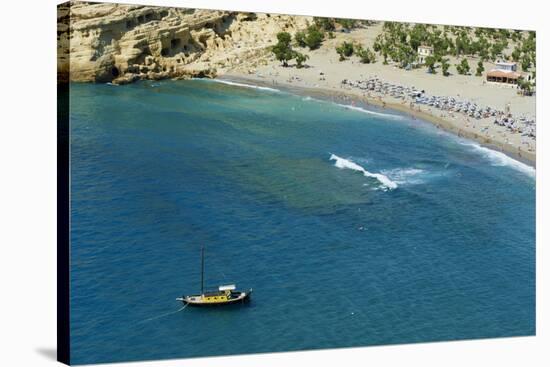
[335, 258]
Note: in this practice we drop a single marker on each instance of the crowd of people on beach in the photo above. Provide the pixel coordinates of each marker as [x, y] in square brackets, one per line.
[522, 125]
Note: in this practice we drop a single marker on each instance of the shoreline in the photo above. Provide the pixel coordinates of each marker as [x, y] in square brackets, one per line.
[352, 97]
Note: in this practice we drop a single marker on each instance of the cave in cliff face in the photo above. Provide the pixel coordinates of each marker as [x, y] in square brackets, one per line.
[146, 42]
[175, 43]
[176, 46]
[107, 73]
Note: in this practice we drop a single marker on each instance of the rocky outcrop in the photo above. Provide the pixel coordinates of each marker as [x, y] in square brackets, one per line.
[122, 43]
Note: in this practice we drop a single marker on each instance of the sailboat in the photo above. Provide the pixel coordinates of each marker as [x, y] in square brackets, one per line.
[225, 295]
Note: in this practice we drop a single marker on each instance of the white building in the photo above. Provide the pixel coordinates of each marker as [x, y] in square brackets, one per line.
[423, 52]
[506, 66]
[504, 73]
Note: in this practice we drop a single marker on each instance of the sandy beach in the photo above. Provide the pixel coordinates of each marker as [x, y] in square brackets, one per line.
[206, 44]
[324, 74]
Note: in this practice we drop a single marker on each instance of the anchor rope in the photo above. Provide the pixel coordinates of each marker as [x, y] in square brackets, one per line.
[164, 314]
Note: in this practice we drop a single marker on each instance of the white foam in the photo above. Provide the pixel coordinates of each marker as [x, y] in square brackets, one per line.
[360, 109]
[347, 164]
[403, 176]
[306, 98]
[501, 159]
[244, 85]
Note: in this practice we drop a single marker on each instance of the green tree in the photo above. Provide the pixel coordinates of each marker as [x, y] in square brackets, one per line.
[405, 55]
[300, 38]
[529, 44]
[483, 48]
[418, 35]
[366, 56]
[516, 35]
[385, 53]
[463, 68]
[525, 62]
[516, 54]
[480, 69]
[326, 24]
[430, 64]
[463, 44]
[445, 66]
[525, 86]
[314, 37]
[282, 50]
[347, 23]
[484, 54]
[496, 50]
[300, 59]
[345, 50]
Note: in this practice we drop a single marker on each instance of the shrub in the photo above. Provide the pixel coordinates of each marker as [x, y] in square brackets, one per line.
[463, 68]
[365, 56]
[300, 38]
[347, 23]
[326, 24]
[300, 59]
[445, 66]
[314, 37]
[480, 69]
[345, 50]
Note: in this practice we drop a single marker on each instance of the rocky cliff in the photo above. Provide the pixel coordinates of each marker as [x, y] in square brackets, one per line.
[117, 43]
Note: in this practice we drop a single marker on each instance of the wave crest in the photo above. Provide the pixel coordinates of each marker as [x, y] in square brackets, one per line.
[501, 159]
[343, 163]
[361, 109]
[244, 85]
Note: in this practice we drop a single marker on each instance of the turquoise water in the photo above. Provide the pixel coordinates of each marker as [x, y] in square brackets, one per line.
[354, 228]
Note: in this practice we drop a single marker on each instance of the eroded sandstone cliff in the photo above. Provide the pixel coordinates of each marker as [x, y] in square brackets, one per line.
[118, 43]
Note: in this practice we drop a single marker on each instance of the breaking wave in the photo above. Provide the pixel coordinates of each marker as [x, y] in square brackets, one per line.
[402, 176]
[360, 109]
[244, 85]
[347, 164]
[501, 159]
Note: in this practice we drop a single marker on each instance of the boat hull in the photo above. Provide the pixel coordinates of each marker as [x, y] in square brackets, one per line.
[199, 303]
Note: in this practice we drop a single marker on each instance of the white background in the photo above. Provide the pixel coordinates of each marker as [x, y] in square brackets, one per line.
[28, 183]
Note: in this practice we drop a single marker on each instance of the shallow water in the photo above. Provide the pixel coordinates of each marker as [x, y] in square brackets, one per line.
[336, 257]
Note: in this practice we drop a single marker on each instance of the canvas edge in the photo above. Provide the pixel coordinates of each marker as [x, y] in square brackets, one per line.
[63, 193]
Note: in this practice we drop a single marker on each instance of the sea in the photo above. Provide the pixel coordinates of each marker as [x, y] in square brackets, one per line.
[354, 226]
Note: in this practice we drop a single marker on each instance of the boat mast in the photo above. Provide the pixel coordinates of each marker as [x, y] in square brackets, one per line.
[202, 269]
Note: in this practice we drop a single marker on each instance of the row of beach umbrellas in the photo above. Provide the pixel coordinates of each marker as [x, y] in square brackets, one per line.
[523, 125]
